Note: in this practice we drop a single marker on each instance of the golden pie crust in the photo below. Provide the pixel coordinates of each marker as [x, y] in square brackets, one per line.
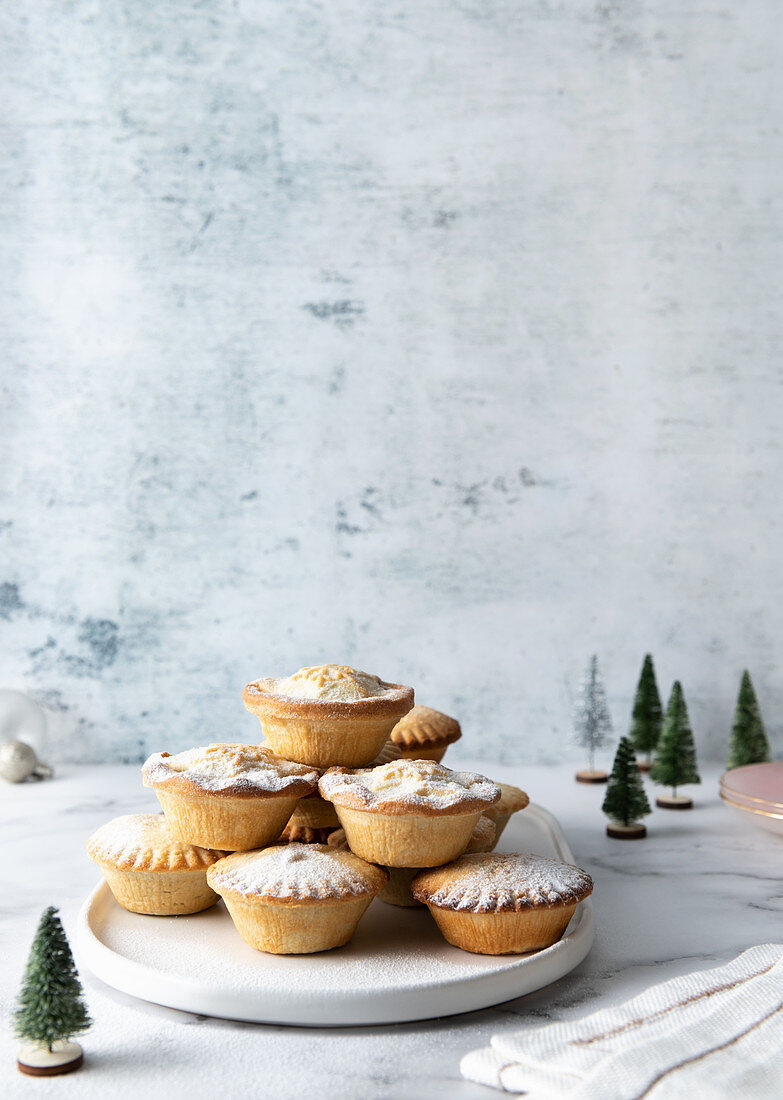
[494, 904]
[240, 799]
[296, 833]
[314, 818]
[296, 898]
[325, 732]
[149, 870]
[402, 787]
[144, 842]
[425, 734]
[481, 840]
[409, 812]
[404, 839]
[232, 773]
[512, 800]
[398, 889]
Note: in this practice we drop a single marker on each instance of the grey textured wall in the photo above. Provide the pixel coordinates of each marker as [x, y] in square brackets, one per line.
[436, 337]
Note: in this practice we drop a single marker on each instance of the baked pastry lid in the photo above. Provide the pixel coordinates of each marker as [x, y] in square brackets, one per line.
[299, 781]
[351, 794]
[296, 874]
[512, 799]
[260, 698]
[491, 882]
[423, 726]
[143, 842]
[298, 833]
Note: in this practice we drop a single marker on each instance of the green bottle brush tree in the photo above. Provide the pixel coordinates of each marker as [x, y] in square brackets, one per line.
[674, 763]
[748, 743]
[50, 1006]
[647, 716]
[625, 801]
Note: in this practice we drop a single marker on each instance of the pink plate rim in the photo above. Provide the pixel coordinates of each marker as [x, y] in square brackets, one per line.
[757, 783]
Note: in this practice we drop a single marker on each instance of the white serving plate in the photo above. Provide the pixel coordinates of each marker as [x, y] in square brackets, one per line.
[396, 968]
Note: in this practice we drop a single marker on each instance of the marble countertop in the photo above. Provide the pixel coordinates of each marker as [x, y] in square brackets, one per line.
[704, 886]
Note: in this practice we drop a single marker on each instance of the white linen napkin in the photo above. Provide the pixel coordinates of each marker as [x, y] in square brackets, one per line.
[708, 1034]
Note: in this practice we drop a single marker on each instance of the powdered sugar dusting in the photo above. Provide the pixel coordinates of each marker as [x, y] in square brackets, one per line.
[143, 842]
[296, 871]
[336, 683]
[418, 783]
[221, 766]
[492, 883]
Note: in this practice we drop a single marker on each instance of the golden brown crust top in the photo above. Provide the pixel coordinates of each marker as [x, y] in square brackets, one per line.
[489, 882]
[238, 771]
[294, 874]
[296, 832]
[340, 683]
[143, 842]
[423, 727]
[512, 799]
[409, 787]
[267, 696]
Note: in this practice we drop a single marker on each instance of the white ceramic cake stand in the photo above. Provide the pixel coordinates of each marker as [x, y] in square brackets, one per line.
[396, 968]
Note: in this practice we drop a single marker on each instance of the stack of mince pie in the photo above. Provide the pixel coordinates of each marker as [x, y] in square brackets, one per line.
[344, 800]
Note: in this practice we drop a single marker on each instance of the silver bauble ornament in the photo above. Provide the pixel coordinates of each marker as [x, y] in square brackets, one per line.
[19, 762]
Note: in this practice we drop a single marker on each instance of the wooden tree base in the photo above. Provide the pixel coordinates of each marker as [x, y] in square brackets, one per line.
[37, 1061]
[635, 831]
[586, 776]
[644, 765]
[674, 802]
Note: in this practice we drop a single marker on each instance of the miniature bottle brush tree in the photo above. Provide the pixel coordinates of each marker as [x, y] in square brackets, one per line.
[748, 743]
[625, 801]
[647, 716]
[674, 763]
[592, 721]
[50, 1006]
